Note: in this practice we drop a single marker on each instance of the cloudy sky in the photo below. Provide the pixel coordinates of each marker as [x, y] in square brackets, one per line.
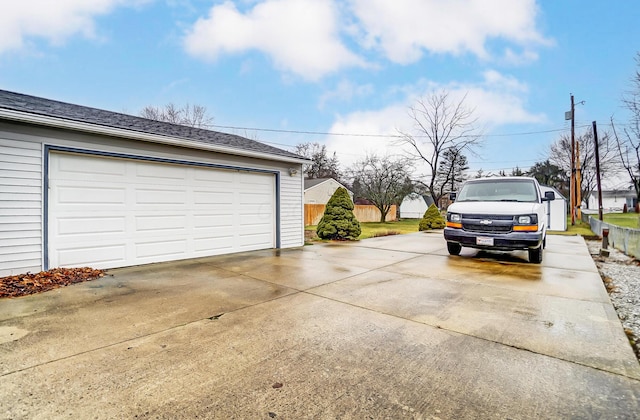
[338, 72]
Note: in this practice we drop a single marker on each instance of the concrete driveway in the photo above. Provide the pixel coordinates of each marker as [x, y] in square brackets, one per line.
[389, 327]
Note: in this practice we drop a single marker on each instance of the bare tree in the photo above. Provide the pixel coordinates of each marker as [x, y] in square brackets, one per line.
[560, 155]
[191, 116]
[628, 142]
[440, 124]
[323, 165]
[381, 180]
[451, 172]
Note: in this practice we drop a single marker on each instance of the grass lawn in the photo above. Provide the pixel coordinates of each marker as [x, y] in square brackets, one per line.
[580, 228]
[630, 220]
[373, 229]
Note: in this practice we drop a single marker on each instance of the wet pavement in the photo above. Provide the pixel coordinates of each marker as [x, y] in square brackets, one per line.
[389, 327]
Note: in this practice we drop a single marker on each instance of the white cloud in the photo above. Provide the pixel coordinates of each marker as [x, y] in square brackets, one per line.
[515, 58]
[377, 123]
[497, 100]
[404, 29]
[300, 36]
[308, 38]
[54, 21]
[344, 92]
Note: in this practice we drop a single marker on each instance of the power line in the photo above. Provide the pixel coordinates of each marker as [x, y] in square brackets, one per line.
[323, 133]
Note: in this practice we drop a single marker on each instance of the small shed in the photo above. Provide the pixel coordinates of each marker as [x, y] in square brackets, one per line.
[556, 210]
[320, 190]
[414, 206]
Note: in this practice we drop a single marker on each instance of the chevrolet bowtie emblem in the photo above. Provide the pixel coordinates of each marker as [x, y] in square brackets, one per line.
[485, 222]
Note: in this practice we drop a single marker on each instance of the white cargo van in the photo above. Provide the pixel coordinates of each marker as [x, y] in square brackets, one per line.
[500, 213]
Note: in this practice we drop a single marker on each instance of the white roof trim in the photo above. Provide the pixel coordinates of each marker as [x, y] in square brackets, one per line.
[138, 135]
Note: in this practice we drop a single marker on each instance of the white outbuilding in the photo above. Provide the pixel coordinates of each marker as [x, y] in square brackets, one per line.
[556, 210]
[414, 206]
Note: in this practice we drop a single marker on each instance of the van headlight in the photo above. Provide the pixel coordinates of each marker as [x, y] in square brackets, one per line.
[526, 223]
[454, 220]
[524, 220]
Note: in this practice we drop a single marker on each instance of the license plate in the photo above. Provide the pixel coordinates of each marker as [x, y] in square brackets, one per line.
[484, 241]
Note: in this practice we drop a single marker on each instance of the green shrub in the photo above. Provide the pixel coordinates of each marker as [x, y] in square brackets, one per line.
[432, 219]
[338, 221]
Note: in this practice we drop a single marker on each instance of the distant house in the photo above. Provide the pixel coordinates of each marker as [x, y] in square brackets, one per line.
[320, 190]
[414, 206]
[614, 200]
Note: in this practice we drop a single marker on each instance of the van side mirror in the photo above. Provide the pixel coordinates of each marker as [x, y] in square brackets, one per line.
[549, 196]
[452, 196]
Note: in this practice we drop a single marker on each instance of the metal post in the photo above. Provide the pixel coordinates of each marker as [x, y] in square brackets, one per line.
[597, 153]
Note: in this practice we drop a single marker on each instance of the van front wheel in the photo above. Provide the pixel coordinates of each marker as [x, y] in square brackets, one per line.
[454, 248]
[535, 255]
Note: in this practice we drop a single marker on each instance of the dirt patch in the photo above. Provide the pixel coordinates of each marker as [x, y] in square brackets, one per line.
[29, 283]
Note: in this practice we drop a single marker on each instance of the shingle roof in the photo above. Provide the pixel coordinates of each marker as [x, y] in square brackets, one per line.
[312, 182]
[50, 108]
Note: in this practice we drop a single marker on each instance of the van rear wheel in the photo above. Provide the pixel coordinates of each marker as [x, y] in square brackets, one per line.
[454, 248]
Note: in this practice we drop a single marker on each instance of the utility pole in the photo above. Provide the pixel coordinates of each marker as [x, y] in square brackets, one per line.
[572, 182]
[597, 156]
[578, 183]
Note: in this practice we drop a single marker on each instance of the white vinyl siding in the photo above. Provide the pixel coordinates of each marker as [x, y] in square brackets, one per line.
[106, 212]
[291, 211]
[21, 208]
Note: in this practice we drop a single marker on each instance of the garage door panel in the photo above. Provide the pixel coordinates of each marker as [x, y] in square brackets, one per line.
[85, 195]
[253, 241]
[255, 212]
[156, 171]
[165, 248]
[213, 221]
[160, 196]
[214, 245]
[140, 212]
[161, 223]
[95, 168]
[214, 179]
[105, 256]
[257, 197]
[255, 180]
[74, 226]
[213, 197]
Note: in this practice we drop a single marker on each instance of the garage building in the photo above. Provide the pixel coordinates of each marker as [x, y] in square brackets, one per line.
[81, 186]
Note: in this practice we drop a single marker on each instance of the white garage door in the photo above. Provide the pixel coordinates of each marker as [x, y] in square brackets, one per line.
[107, 212]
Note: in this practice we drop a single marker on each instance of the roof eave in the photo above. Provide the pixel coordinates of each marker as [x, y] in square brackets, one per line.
[55, 122]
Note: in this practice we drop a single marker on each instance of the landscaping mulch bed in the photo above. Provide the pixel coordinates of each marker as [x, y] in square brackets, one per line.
[30, 283]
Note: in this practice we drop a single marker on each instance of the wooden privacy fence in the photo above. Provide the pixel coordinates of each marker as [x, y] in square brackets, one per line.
[313, 213]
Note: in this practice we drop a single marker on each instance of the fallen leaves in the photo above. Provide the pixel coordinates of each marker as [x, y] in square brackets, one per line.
[29, 283]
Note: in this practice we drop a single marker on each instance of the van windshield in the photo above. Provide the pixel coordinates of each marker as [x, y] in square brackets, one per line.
[499, 190]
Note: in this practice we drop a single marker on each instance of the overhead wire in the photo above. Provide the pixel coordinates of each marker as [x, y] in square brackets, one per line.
[398, 136]
[325, 133]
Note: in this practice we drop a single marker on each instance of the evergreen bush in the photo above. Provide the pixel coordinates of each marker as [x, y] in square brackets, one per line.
[432, 219]
[338, 221]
